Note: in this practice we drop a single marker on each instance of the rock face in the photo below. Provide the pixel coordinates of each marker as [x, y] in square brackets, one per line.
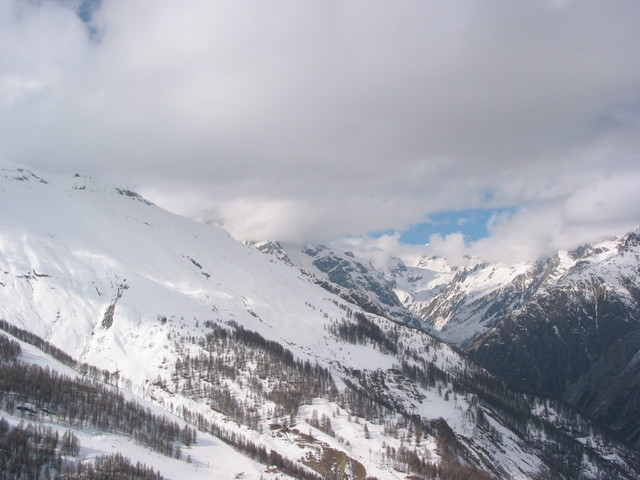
[549, 343]
[610, 389]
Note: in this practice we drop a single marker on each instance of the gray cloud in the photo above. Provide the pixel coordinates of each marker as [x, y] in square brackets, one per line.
[308, 120]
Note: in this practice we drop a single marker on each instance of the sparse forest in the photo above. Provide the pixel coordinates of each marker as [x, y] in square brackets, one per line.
[254, 382]
[35, 452]
[33, 390]
[268, 372]
[29, 451]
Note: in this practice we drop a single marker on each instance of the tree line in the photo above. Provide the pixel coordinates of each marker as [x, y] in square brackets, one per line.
[267, 371]
[60, 355]
[33, 390]
[364, 331]
[35, 452]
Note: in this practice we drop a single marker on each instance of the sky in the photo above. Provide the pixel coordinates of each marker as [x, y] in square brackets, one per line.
[501, 129]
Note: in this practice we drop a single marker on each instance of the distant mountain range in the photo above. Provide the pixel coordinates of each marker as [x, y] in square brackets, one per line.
[300, 363]
[568, 325]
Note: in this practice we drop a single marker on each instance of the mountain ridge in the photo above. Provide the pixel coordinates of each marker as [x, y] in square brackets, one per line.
[549, 325]
[252, 346]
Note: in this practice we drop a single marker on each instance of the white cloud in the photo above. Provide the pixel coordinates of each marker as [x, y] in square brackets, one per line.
[606, 207]
[453, 247]
[378, 250]
[602, 209]
[310, 120]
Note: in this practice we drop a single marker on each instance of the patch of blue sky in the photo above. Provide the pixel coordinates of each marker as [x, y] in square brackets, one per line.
[87, 8]
[85, 12]
[472, 223]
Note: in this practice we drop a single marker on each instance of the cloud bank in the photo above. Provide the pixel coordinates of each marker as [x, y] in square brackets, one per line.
[306, 121]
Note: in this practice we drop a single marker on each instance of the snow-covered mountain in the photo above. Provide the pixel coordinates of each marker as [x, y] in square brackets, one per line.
[477, 297]
[307, 379]
[352, 278]
[206, 458]
[566, 325]
[574, 332]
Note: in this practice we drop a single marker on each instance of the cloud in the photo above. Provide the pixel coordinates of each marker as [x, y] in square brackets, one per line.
[305, 120]
[592, 212]
[452, 247]
[596, 211]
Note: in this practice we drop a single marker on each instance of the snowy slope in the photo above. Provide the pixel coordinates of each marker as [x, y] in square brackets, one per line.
[466, 304]
[566, 325]
[71, 248]
[208, 459]
[575, 335]
[193, 320]
[343, 273]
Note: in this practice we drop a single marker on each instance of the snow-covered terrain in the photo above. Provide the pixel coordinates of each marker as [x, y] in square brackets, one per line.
[566, 325]
[208, 459]
[473, 300]
[257, 352]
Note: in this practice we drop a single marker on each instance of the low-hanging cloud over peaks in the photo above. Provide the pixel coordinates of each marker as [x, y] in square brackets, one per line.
[309, 120]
